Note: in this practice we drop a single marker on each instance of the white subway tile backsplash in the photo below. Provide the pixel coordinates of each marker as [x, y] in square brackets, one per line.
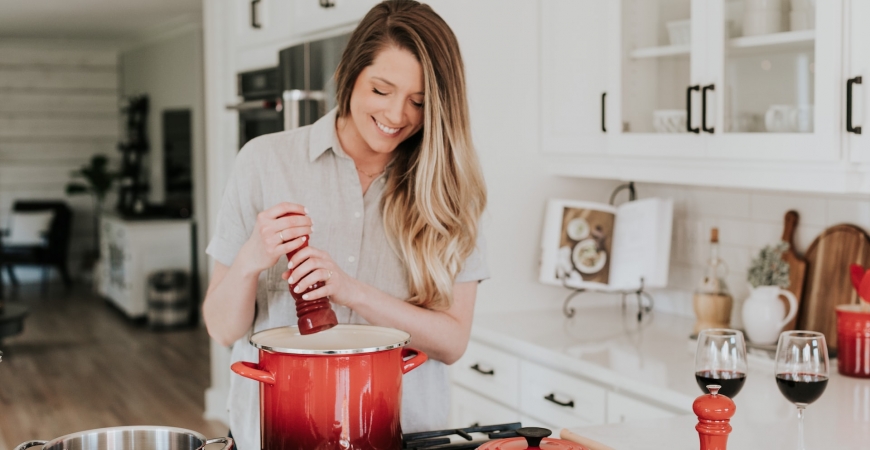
[855, 212]
[772, 208]
[718, 203]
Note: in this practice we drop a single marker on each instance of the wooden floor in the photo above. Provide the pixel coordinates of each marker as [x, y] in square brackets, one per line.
[81, 365]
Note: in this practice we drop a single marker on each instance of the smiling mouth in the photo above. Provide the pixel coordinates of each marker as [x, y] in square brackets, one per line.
[385, 129]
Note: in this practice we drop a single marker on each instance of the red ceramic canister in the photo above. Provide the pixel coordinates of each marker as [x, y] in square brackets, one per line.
[853, 341]
[340, 388]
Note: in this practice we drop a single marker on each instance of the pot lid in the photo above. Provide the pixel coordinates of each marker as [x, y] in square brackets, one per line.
[531, 438]
[338, 340]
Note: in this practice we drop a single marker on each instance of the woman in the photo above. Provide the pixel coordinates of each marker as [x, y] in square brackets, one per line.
[388, 187]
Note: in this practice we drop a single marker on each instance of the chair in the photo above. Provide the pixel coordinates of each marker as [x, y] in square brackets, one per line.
[53, 253]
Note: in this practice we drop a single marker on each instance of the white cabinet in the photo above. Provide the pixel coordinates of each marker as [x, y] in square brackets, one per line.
[574, 77]
[312, 16]
[131, 250]
[491, 385]
[706, 92]
[554, 397]
[262, 21]
[857, 75]
[469, 409]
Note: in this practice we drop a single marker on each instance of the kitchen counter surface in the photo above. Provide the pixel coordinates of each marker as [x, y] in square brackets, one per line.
[654, 361]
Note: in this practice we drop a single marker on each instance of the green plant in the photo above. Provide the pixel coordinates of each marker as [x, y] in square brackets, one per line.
[97, 181]
[769, 269]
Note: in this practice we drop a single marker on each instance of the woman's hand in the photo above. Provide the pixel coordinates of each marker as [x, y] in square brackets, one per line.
[275, 235]
[311, 265]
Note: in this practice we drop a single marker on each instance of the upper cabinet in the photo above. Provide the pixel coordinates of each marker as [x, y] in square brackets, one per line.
[313, 16]
[262, 21]
[740, 93]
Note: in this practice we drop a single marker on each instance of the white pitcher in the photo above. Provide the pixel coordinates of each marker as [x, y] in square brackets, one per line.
[764, 315]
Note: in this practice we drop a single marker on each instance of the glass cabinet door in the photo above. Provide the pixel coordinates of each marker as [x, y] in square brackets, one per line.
[656, 63]
[777, 64]
[657, 59]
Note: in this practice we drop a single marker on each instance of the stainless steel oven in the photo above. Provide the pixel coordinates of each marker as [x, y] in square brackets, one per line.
[260, 111]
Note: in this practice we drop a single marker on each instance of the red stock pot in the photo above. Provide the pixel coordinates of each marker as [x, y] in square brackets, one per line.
[340, 388]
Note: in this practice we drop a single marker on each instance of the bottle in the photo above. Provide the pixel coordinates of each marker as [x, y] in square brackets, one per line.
[714, 412]
[313, 316]
[712, 302]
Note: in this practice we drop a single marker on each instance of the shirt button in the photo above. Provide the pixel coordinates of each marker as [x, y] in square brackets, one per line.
[357, 214]
[351, 259]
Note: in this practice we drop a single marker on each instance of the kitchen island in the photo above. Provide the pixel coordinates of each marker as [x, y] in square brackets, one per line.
[653, 362]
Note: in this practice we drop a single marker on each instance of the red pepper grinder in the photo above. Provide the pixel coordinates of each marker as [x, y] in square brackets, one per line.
[313, 316]
[714, 412]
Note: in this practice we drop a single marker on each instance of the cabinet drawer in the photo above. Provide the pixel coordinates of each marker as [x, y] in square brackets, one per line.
[489, 372]
[560, 399]
[469, 409]
[622, 409]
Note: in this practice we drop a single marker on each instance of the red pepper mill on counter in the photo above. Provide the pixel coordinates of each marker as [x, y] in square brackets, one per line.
[313, 316]
[714, 413]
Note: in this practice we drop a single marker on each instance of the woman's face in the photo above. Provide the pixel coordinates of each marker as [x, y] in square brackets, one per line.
[386, 105]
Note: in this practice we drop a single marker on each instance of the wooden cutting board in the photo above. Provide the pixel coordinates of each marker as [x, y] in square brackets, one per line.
[797, 266]
[828, 283]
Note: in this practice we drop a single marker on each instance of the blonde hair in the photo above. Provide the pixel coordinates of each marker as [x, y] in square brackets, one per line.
[435, 194]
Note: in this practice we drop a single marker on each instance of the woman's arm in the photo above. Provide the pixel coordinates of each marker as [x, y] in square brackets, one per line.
[443, 335]
[228, 308]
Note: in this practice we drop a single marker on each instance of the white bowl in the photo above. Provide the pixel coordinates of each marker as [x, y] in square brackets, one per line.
[802, 20]
[763, 5]
[669, 121]
[761, 22]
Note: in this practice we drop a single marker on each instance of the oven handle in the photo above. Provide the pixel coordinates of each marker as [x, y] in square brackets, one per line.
[292, 98]
[252, 105]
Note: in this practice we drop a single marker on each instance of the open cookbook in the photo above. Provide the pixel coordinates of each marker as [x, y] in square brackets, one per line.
[589, 245]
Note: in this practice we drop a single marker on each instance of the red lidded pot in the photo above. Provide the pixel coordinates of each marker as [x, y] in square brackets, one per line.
[339, 388]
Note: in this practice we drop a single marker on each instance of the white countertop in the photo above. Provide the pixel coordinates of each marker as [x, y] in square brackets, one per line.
[654, 361]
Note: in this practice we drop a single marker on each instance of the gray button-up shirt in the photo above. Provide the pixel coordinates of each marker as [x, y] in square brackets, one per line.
[307, 166]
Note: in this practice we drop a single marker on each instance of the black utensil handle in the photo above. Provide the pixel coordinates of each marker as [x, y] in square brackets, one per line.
[327, 3]
[603, 103]
[849, 83]
[477, 368]
[255, 22]
[709, 87]
[552, 398]
[689, 109]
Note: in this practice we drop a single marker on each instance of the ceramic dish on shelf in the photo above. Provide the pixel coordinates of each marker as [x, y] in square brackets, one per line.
[680, 32]
[669, 121]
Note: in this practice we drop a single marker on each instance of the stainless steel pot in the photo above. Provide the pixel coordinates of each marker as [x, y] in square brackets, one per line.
[131, 438]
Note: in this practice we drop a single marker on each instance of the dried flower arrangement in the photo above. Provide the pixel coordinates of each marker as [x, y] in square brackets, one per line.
[769, 269]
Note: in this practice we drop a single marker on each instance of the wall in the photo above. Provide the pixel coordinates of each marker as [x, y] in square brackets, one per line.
[58, 107]
[169, 69]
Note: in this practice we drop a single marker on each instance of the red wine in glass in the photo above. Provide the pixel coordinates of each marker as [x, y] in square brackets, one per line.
[731, 381]
[801, 387]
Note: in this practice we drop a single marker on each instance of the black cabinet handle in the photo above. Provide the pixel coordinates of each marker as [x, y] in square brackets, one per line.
[849, 127]
[477, 368]
[603, 97]
[709, 87]
[327, 3]
[689, 108]
[552, 398]
[255, 22]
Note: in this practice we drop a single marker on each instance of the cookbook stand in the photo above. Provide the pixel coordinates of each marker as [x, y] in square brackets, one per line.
[644, 299]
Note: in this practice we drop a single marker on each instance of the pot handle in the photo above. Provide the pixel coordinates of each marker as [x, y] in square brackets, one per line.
[252, 371]
[792, 307]
[415, 361]
[228, 442]
[29, 444]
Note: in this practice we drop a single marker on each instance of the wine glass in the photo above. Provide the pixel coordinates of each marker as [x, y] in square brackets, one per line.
[801, 370]
[721, 359]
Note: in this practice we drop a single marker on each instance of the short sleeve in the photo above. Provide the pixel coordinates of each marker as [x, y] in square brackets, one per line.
[241, 203]
[475, 267]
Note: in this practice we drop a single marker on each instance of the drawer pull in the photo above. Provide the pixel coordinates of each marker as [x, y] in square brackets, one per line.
[552, 398]
[477, 368]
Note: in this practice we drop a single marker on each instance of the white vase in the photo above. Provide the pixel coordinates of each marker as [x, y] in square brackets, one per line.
[764, 315]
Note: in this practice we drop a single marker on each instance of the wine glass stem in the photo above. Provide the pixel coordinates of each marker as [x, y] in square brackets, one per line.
[800, 412]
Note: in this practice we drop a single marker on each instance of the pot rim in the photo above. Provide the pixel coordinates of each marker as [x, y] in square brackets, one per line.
[78, 434]
[405, 340]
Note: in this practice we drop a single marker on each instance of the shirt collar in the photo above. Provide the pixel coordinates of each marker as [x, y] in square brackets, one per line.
[323, 137]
